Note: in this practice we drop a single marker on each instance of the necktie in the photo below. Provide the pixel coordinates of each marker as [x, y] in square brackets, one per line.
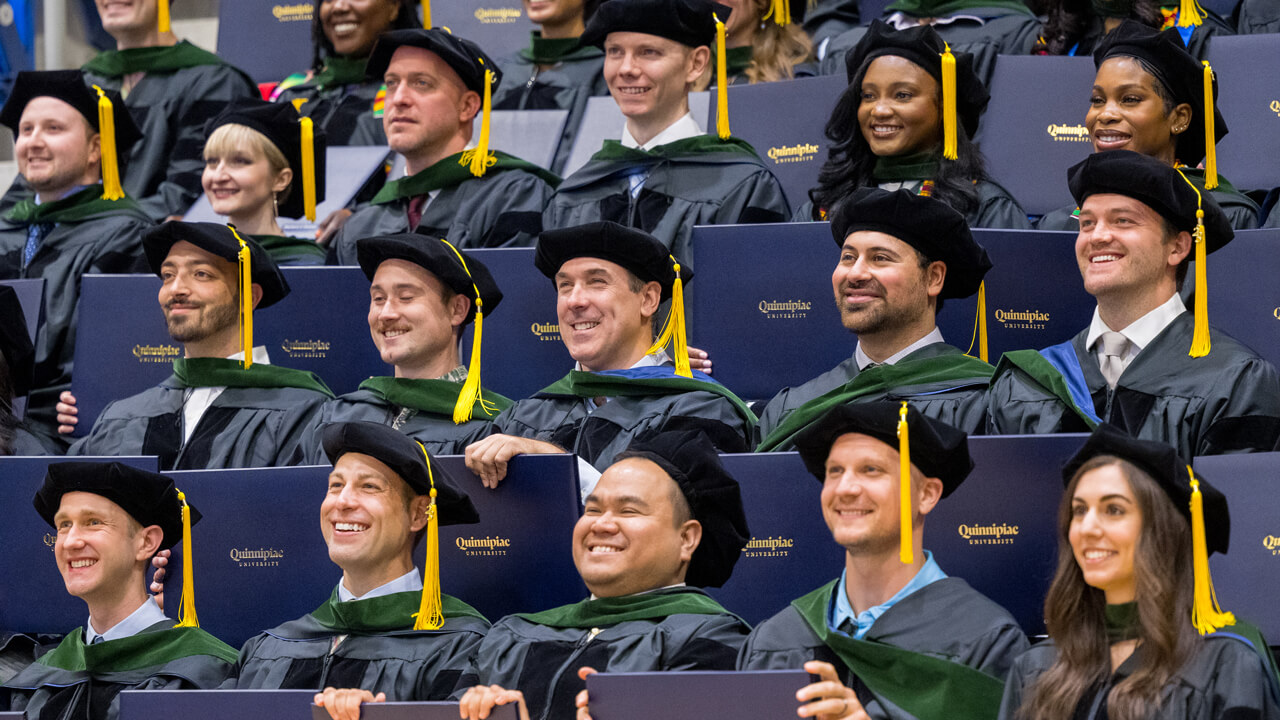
[35, 236]
[416, 204]
[97, 640]
[1113, 347]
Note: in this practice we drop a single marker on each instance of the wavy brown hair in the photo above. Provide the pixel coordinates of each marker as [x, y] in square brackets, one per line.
[776, 49]
[1075, 611]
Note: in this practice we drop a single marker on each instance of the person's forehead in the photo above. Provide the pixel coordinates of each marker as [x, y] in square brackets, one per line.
[46, 107]
[860, 444]
[357, 464]
[79, 501]
[398, 271]
[629, 39]
[867, 239]
[1107, 202]
[895, 68]
[579, 266]
[635, 477]
[410, 59]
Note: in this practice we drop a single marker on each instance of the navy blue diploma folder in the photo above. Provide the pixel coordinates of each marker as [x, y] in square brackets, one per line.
[1244, 297]
[216, 704]
[417, 711]
[695, 695]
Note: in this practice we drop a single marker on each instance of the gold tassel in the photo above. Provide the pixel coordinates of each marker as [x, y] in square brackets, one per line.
[1200, 343]
[673, 330]
[780, 10]
[982, 322]
[480, 158]
[722, 82]
[1210, 149]
[1190, 14]
[246, 299]
[111, 188]
[162, 15]
[906, 553]
[430, 615]
[471, 389]
[426, 14]
[187, 609]
[308, 169]
[950, 131]
[1206, 616]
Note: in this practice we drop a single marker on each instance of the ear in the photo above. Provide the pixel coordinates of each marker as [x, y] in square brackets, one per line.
[148, 542]
[1180, 118]
[699, 60]
[690, 537]
[459, 306]
[257, 294]
[930, 492]
[283, 178]
[935, 276]
[418, 512]
[650, 299]
[95, 149]
[470, 106]
[1180, 248]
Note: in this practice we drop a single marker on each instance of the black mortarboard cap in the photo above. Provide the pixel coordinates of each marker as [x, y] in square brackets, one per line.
[713, 496]
[436, 257]
[1151, 182]
[15, 343]
[937, 449]
[407, 459]
[278, 121]
[1164, 465]
[927, 224]
[70, 87]
[688, 22]
[218, 240]
[150, 498]
[923, 46]
[1180, 73]
[635, 250]
[465, 57]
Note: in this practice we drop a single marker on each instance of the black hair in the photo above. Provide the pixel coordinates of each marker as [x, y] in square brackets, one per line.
[1068, 20]
[322, 49]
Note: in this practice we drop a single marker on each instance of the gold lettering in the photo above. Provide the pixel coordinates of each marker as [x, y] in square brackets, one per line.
[262, 557]
[50, 539]
[1271, 542]
[1275, 106]
[793, 153]
[293, 13]
[1068, 133]
[993, 531]
[500, 16]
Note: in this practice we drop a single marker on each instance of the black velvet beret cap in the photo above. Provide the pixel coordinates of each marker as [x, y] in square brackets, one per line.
[150, 498]
[407, 459]
[688, 22]
[635, 250]
[1163, 464]
[280, 123]
[218, 240]
[465, 57]
[1181, 74]
[70, 87]
[15, 343]
[926, 224]
[937, 449]
[923, 46]
[435, 257]
[1156, 185]
[712, 493]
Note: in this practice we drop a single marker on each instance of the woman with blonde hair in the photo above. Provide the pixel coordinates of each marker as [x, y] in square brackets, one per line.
[253, 175]
[762, 45]
[1134, 628]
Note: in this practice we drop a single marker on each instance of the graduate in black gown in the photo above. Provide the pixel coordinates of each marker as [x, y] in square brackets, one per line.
[1134, 629]
[110, 519]
[664, 521]
[1144, 363]
[893, 636]
[17, 357]
[387, 631]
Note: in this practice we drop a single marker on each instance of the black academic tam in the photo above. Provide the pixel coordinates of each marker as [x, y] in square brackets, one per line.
[635, 250]
[688, 22]
[937, 449]
[221, 241]
[150, 498]
[407, 459]
[460, 271]
[465, 57]
[69, 86]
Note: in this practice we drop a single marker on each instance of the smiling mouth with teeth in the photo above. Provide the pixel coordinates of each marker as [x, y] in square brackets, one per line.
[350, 527]
[603, 549]
[1103, 258]
[82, 563]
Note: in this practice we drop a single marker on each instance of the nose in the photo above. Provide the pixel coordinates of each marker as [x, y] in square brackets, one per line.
[388, 310]
[848, 484]
[880, 107]
[628, 66]
[72, 538]
[1109, 112]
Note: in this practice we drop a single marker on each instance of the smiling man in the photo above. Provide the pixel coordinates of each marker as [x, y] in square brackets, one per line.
[110, 520]
[893, 615]
[901, 256]
[665, 175]
[1144, 364]
[435, 86]
[422, 296]
[610, 282]
[217, 410]
[70, 227]
[665, 519]
[384, 633]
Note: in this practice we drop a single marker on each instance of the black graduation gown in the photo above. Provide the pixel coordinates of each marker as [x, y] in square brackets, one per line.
[1240, 209]
[996, 209]
[696, 181]
[393, 658]
[345, 111]
[1226, 401]
[1223, 679]
[1258, 16]
[945, 619]
[542, 661]
[162, 657]
[106, 238]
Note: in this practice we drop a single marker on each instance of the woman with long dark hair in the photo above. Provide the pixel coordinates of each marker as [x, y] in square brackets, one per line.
[888, 130]
[1148, 96]
[1075, 27]
[1134, 629]
[338, 96]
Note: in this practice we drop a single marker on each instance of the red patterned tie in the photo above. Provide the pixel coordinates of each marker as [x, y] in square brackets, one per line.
[416, 204]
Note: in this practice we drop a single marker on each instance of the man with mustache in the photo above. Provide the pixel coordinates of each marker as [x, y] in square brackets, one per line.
[436, 84]
[217, 410]
[901, 255]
